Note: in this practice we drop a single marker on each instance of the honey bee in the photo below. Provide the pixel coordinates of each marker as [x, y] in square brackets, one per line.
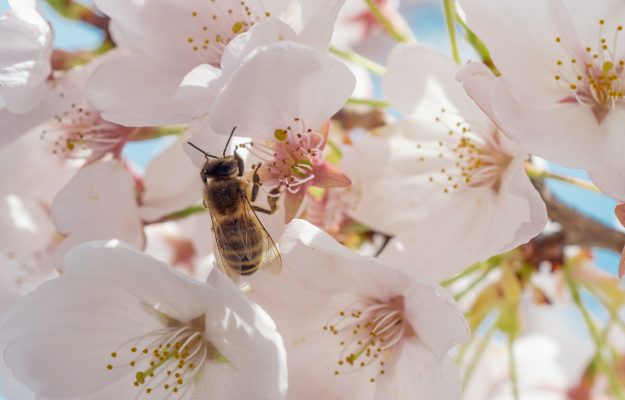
[242, 242]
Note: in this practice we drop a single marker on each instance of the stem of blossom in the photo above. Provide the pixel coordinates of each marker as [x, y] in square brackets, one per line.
[616, 387]
[153, 133]
[355, 58]
[176, 215]
[537, 173]
[473, 268]
[385, 22]
[369, 102]
[335, 149]
[611, 310]
[477, 356]
[514, 380]
[479, 46]
[473, 284]
[450, 17]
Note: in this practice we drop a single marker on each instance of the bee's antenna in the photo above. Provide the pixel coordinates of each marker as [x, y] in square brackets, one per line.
[229, 138]
[202, 151]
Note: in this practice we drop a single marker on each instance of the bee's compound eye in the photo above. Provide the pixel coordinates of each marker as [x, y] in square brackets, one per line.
[228, 168]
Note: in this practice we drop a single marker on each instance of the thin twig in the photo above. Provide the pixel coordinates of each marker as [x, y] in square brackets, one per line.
[450, 17]
[385, 22]
[358, 59]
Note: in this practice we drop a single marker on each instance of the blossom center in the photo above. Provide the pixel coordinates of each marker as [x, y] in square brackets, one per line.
[467, 160]
[370, 334]
[212, 28]
[595, 77]
[168, 359]
[80, 132]
[289, 161]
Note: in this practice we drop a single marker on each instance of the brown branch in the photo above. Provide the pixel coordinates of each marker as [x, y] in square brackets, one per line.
[351, 118]
[579, 229]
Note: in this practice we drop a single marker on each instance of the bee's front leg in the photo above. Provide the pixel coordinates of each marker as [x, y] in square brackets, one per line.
[240, 162]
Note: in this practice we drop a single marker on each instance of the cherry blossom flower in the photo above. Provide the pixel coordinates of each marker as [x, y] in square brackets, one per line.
[560, 94]
[445, 172]
[282, 98]
[26, 47]
[71, 128]
[199, 47]
[134, 328]
[369, 331]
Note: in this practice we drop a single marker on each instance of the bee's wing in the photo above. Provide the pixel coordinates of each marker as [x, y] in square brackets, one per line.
[272, 261]
[220, 244]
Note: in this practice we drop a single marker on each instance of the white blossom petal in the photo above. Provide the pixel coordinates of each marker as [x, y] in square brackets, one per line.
[171, 183]
[146, 99]
[99, 203]
[280, 83]
[26, 46]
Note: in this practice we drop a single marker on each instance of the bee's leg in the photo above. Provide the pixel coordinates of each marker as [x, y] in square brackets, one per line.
[272, 201]
[255, 183]
[263, 210]
[240, 162]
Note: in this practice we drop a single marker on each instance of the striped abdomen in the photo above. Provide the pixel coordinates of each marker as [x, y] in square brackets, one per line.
[241, 243]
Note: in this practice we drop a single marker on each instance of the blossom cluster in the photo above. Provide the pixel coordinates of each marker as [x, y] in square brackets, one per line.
[395, 241]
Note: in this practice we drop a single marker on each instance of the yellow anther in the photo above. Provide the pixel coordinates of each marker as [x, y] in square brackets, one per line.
[237, 26]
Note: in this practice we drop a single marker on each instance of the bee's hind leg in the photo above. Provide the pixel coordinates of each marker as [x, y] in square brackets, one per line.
[255, 183]
[271, 200]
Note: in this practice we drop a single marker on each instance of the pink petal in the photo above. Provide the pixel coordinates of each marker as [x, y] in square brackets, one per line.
[264, 33]
[610, 176]
[565, 133]
[319, 17]
[292, 203]
[420, 82]
[328, 175]
[530, 67]
[279, 83]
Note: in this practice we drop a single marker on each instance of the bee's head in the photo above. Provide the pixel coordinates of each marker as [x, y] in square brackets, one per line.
[225, 167]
